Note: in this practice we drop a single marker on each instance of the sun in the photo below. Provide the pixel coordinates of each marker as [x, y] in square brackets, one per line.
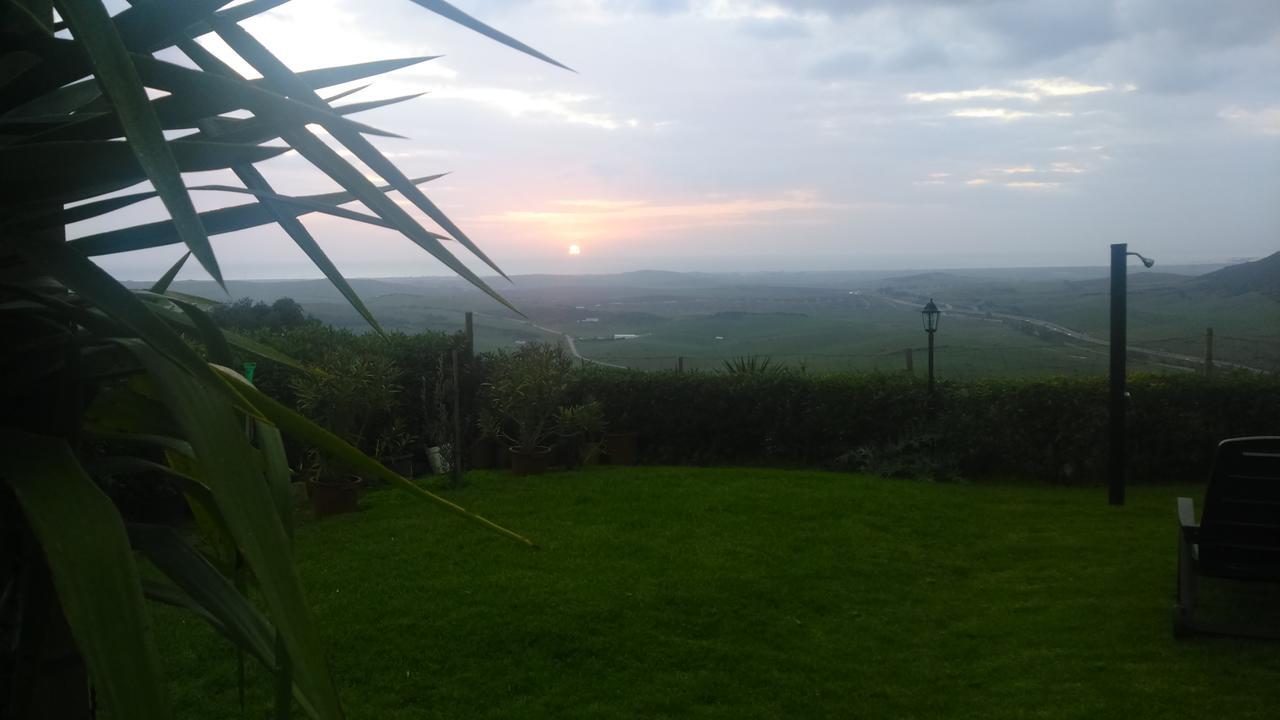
[575, 250]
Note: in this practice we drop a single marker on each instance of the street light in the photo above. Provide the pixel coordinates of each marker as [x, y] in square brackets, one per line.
[1119, 344]
[930, 315]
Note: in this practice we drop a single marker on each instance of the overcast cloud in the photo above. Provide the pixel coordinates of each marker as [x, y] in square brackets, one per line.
[805, 134]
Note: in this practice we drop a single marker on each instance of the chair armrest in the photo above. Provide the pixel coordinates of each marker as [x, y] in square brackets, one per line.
[1187, 518]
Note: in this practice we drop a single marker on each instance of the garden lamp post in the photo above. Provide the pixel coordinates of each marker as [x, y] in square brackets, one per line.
[930, 314]
[1119, 342]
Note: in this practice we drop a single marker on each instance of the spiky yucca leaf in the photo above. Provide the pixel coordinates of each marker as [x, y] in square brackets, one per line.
[113, 385]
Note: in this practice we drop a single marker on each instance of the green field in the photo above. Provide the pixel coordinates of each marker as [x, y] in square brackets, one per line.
[826, 321]
[871, 334]
[734, 593]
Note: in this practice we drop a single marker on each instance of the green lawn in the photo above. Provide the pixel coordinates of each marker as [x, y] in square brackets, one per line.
[727, 593]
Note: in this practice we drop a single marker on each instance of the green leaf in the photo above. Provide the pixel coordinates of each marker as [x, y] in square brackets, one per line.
[167, 279]
[75, 271]
[279, 477]
[69, 171]
[67, 215]
[332, 164]
[300, 427]
[226, 463]
[93, 29]
[182, 447]
[62, 101]
[247, 344]
[193, 96]
[286, 218]
[449, 11]
[225, 220]
[276, 72]
[328, 77]
[207, 588]
[84, 543]
[210, 334]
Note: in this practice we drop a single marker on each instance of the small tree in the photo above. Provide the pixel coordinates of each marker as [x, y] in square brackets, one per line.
[527, 389]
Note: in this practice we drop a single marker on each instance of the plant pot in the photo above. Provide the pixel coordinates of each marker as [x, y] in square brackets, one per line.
[622, 448]
[334, 497]
[484, 455]
[530, 462]
[400, 464]
[438, 461]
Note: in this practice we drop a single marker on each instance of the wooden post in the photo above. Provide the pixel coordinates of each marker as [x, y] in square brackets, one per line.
[457, 419]
[469, 332]
[1119, 340]
[1208, 352]
[930, 367]
[680, 363]
[911, 364]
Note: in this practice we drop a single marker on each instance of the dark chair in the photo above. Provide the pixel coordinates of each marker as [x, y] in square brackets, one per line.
[1238, 536]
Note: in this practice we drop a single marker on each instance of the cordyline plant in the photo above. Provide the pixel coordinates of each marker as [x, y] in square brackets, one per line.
[98, 381]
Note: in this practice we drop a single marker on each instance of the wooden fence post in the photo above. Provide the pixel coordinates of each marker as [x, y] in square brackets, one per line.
[469, 332]
[1208, 352]
[457, 420]
[911, 368]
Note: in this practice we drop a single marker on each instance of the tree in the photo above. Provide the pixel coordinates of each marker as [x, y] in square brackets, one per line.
[98, 381]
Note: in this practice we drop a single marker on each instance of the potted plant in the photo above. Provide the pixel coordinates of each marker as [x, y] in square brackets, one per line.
[394, 448]
[525, 393]
[622, 447]
[581, 429]
[349, 394]
[330, 491]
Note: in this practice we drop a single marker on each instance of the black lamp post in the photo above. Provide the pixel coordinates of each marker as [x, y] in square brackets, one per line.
[1119, 343]
[930, 314]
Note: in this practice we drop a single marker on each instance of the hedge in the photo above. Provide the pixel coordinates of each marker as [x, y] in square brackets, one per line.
[1050, 430]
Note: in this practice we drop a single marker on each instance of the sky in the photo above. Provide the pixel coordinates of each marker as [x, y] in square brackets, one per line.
[743, 135]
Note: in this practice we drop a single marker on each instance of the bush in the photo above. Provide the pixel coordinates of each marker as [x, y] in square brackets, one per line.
[1051, 430]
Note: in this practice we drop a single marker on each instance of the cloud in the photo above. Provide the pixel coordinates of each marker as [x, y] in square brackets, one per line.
[998, 113]
[775, 28]
[843, 64]
[1033, 90]
[519, 103]
[603, 217]
[1265, 121]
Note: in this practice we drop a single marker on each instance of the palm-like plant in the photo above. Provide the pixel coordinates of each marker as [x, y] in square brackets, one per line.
[99, 381]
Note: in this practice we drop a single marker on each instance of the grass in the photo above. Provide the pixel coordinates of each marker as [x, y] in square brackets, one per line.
[728, 593]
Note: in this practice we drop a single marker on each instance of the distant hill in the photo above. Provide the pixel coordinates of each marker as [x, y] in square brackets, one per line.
[1260, 276]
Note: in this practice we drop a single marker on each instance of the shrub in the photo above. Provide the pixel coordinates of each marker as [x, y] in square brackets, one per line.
[1051, 430]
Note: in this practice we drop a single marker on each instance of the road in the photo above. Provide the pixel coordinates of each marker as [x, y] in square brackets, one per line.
[1073, 334]
[567, 339]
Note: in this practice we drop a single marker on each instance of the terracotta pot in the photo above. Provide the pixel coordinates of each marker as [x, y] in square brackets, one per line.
[400, 464]
[622, 448]
[533, 462]
[334, 497]
[484, 454]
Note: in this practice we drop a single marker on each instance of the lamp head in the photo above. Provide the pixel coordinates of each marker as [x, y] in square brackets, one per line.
[930, 315]
[1146, 261]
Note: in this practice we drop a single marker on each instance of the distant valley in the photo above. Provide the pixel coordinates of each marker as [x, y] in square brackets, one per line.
[1022, 321]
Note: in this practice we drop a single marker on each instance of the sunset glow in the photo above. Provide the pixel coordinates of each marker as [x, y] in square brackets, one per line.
[575, 250]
